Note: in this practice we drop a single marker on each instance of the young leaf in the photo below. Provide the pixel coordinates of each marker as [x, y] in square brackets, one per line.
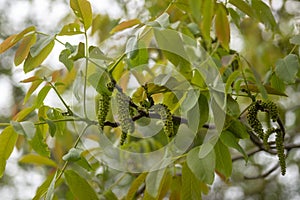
[223, 159]
[82, 9]
[287, 68]
[191, 186]
[13, 39]
[70, 29]
[202, 168]
[207, 16]
[8, 139]
[24, 48]
[135, 186]
[125, 25]
[37, 160]
[23, 113]
[80, 188]
[33, 62]
[222, 26]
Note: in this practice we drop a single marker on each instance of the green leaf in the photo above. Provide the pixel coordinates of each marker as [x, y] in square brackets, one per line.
[52, 127]
[235, 17]
[233, 108]
[202, 168]
[23, 114]
[243, 6]
[222, 26]
[37, 160]
[80, 188]
[41, 96]
[238, 129]
[269, 90]
[35, 84]
[96, 53]
[223, 159]
[278, 85]
[24, 48]
[42, 189]
[8, 139]
[33, 62]
[78, 53]
[70, 29]
[108, 194]
[201, 110]
[82, 9]
[64, 58]
[207, 16]
[287, 68]
[40, 45]
[232, 77]
[295, 40]
[50, 191]
[230, 140]
[38, 143]
[25, 128]
[135, 185]
[154, 182]
[264, 13]
[124, 25]
[191, 186]
[195, 7]
[13, 39]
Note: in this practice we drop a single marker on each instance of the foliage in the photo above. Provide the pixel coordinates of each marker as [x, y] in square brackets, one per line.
[194, 101]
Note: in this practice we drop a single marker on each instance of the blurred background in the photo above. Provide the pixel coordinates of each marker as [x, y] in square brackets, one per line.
[260, 46]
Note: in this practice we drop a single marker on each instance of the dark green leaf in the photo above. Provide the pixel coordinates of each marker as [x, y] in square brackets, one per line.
[8, 139]
[191, 186]
[238, 129]
[80, 188]
[223, 159]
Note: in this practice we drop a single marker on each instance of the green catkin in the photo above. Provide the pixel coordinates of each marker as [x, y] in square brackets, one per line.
[253, 120]
[280, 151]
[166, 117]
[269, 132]
[124, 111]
[103, 102]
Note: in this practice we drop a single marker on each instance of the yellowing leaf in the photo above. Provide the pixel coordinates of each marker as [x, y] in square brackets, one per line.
[13, 39]
[82, 9]
[35, 84]
[70, 29]
[125, 25]
[37, 160]
[8, 139]
[24, 48]
[33, 62]
[222, 26]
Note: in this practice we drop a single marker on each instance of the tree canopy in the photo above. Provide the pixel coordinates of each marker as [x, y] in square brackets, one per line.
[169, 103]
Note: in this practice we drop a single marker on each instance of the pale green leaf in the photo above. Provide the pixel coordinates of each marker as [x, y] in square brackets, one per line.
[154, 182]
[202, 168]
[37, 160]
[82, 9]
[287, 68]
[38, 143]
[8, 139]
[78, 185]
[72, 155]
[50, 191]
[295, 40]
[64, 58]
[264, 13]
[42, 189]
[25, 128]
[40, 45]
